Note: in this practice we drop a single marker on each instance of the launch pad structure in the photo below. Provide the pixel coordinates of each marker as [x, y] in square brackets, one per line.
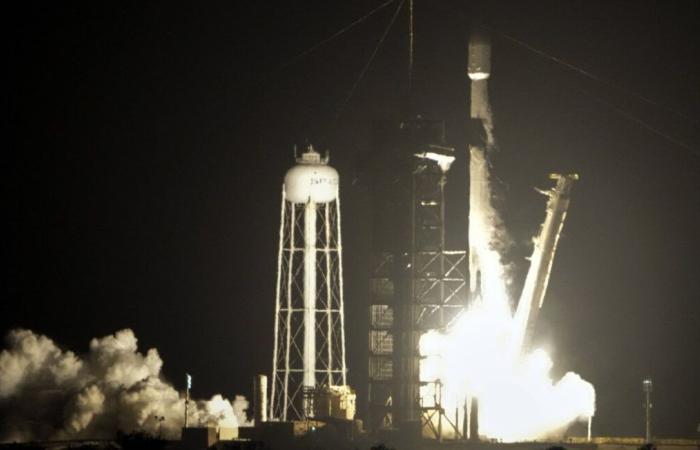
[416, 283]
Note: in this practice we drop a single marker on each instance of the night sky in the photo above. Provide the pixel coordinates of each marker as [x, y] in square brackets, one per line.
[151, 138]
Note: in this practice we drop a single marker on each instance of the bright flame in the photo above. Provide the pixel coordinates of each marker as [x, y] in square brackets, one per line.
[481, 355]
[518, 399]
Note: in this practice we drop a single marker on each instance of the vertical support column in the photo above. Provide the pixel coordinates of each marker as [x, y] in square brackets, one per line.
[647, 409]
[288, 346]
[278, 286]
[443, 181]
[406, 366]
[260, 399]
[309, 297]
[341, 305]
[474, 419]
[329, 295]
[465, 422]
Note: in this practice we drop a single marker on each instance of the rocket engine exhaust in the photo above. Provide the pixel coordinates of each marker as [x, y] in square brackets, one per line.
[484, 358]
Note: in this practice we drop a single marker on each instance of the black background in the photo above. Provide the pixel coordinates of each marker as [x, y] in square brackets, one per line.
[151, 138]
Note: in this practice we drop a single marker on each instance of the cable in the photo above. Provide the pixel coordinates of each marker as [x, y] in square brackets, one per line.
[645, 125]
[591, 75]
[628, 116]
[333, 36]
[369, 62]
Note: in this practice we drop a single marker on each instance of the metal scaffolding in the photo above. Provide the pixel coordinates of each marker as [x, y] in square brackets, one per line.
[309, 345]
[416, 284]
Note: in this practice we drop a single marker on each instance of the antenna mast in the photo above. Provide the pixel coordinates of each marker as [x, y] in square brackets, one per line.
[410, 43]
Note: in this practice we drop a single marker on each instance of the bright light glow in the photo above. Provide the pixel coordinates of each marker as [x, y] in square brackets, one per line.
[518, 399]
[481, 355]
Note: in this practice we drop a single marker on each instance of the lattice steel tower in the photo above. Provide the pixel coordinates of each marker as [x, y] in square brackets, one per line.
[416, 284]
[309, 347]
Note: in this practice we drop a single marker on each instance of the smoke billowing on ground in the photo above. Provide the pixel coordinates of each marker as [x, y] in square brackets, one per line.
[47, 393]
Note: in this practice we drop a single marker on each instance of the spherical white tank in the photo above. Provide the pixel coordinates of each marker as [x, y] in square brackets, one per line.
[312, 179]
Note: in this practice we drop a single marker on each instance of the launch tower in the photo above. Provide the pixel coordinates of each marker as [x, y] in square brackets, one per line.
[309, 346]
[416, 284]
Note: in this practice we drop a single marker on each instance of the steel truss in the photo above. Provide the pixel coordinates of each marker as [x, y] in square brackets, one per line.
[288, 397]
[411, 292]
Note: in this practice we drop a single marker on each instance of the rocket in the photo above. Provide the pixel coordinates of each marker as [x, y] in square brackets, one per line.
[486, 277]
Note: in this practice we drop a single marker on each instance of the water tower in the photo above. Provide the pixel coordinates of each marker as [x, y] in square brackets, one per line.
[309, 347]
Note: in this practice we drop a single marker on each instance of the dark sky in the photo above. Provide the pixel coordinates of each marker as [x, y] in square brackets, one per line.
[151, 138]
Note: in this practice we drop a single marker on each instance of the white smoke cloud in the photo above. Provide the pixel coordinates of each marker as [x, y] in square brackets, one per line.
[49, 393]
[518, 398]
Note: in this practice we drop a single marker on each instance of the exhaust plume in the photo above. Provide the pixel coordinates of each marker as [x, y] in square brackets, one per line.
[47, 393]
[481, 359]
[481, 355]
[518, 398]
